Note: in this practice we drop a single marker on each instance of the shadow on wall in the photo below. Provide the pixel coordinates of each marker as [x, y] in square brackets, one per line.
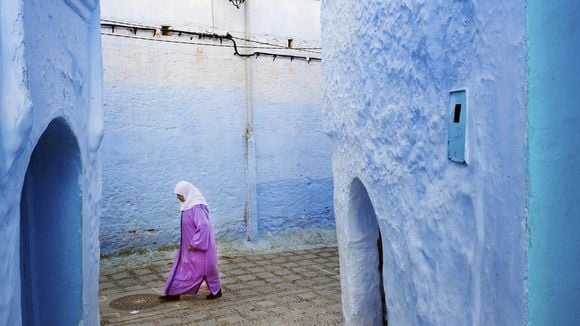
[363, 292]
[50, 230]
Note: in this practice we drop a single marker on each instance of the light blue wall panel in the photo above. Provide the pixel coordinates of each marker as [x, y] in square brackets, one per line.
[554, 162]
[457, 127]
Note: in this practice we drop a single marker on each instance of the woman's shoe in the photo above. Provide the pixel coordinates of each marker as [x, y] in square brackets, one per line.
[168, 298]
[214, 296]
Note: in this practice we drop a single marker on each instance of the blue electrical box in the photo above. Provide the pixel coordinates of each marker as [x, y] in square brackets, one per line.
[457, 134]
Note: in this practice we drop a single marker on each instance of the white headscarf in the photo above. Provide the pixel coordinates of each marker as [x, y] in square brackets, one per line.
[191, 194]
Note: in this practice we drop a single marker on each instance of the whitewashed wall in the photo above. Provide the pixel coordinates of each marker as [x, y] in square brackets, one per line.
[282, 19]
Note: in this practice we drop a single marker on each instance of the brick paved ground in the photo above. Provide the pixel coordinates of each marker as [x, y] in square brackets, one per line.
[286, 288]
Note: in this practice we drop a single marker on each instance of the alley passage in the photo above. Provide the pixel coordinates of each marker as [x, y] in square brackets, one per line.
[287, 288]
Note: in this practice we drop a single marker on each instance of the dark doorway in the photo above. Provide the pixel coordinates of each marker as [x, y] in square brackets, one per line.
[50, 230]
[382, 287]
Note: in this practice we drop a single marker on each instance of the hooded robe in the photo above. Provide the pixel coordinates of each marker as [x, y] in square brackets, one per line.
[191, 268]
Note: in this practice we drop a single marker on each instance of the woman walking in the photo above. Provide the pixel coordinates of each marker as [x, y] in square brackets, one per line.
[196, 259]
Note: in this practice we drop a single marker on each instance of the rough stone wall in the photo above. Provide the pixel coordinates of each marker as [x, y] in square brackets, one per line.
[50, 68]
[176, 111]
[453, 235]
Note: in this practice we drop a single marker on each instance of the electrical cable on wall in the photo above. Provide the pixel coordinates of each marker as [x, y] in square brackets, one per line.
[237, 3]
[109, 22]
[275, 45]
[214, 36]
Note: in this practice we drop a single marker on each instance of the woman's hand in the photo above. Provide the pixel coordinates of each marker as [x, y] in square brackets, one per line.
[190, 248]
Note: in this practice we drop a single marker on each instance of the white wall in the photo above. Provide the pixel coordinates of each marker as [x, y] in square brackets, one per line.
[454, 236]
[298, 19]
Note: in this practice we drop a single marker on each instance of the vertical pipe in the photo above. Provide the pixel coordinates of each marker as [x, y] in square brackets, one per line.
[250, 150]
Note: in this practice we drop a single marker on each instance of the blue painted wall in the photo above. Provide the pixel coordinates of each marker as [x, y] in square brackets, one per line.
[156, 135]
[293, 166]
[50, 77]
[454, 235]
[361, 261]
[294, 183]
[554, 162]
[176, 111]
[51, 231]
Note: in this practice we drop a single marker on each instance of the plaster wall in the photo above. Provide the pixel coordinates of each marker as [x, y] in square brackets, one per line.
[293, 181]
[554, 208]
[201, 15]
[297, 19]
[50, 69]
[178, 111]
[453, 235]
[169, 117]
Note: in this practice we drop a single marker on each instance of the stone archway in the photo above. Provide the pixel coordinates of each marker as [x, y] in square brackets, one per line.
[51, 230]
[361, 261]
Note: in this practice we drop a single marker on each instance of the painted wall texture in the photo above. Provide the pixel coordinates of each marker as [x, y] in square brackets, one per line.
[50, 132]
[554, 163]
[453, 236]
[179, 111]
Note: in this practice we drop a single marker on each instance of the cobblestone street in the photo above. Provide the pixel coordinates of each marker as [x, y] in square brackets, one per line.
[286, 288]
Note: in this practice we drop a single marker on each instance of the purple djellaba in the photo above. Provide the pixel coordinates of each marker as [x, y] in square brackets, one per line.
[196, 259]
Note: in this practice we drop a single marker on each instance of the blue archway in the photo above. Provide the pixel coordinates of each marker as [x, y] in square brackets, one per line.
[51, 230]
[365, 295]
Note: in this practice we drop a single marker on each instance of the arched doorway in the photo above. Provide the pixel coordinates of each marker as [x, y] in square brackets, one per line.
[362, 260]
[50, 230]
